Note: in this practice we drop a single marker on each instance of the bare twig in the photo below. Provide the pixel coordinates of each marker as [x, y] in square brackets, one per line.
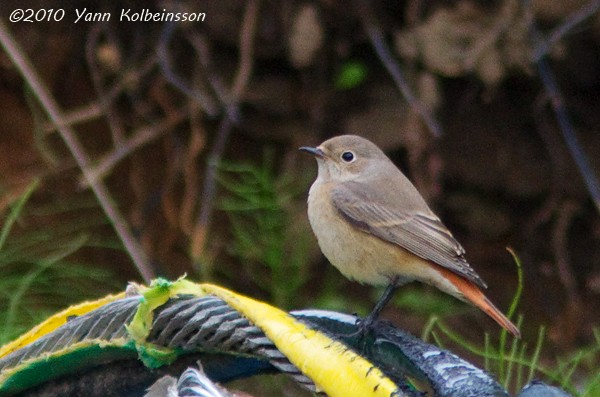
[246, 50]
[247, 34]
[566, 127]
[215, 81]
[195, 146]
[577, 151]
[377, 40]
[139, 138]
[566, 212]
[564, 121]
[22, 63]
[558, 33]
[94, 109]
[206, 102]
[75, 116]
[91, 47]
[568, 324]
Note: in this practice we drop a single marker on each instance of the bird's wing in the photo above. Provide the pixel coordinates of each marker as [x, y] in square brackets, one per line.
[423, 234]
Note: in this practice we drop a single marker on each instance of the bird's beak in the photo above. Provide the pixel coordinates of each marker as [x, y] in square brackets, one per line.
[315, 151]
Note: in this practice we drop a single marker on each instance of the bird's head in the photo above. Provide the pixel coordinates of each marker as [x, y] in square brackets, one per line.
[347, 157]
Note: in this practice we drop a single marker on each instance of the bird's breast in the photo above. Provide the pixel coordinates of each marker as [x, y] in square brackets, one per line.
[356, 254]
[361, 256]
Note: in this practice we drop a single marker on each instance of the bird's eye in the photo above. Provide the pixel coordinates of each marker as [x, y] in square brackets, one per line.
[348, 157]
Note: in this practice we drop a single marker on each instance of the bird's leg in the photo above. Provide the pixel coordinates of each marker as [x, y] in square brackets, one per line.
[365, 324]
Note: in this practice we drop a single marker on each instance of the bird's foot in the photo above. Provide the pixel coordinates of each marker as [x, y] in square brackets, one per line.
[365, 325]
[363, 328]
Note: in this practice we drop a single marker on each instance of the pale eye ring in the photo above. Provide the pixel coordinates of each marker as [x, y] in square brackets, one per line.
[348, 156]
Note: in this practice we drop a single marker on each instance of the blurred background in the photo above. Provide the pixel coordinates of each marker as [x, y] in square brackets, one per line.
[173, 150]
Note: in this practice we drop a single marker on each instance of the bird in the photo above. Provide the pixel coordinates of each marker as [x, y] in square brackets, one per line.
[374, 226]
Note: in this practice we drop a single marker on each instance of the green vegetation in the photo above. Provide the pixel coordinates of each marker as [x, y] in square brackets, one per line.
[516, 363]
[351, 75]
[268, 242]
[39, 276]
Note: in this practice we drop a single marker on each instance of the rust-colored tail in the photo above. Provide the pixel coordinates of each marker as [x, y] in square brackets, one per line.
[475, 296]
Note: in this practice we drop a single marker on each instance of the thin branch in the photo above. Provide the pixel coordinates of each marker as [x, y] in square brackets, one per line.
[206, 102]
[560, 234]
[78, 115]
[247, 34]
[377, 40]
[138, 138]
[215, 82]
[26, 69]
[558, 33]
[93, 110]
[214, 158]
[191, 187]
[246, 51]
[114, 124]
[558, 104]
[130, 78]
[566, 127]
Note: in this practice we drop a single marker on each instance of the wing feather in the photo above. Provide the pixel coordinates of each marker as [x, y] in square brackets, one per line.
[423, 234]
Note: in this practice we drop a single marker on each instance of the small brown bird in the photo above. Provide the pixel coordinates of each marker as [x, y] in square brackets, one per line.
[374, 227]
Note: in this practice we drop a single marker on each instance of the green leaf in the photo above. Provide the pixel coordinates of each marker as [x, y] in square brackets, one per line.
[351, 75]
